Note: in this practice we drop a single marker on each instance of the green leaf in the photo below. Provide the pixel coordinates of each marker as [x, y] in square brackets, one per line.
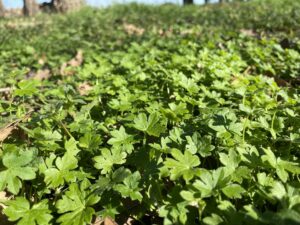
[108, 158]
[214, 219]
[175, 135]
[121, 139]
[47, 139]
[174, 213]
[71, 147]
[230, 160]
[75, 205]
[187, 195]
[226, 121]
[62, 172]
[233, 191]
[163, 146]
[198, 144]
[278, 190]
[182, 165]
[189, 84]
[179, 109]
[264, 123]
[17, 169]
[27, 88]
[20, 210]
[211, 182]
[291, 167]
[269, 157]
[281, 166]
[120, 174]
[154, 125]
[130, 187]
[90, 141]
[281, 173]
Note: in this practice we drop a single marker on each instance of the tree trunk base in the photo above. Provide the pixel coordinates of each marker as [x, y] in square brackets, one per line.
[2, 9]
[68, 5]
[188, 2]
[31, 8]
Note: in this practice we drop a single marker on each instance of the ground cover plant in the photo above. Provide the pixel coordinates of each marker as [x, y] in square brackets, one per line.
[152, 115]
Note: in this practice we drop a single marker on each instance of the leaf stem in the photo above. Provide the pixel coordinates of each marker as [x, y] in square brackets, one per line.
[244, 128]
[65, 129]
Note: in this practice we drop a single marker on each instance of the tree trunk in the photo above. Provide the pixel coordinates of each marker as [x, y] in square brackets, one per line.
[30, 7]
[206, 1]
[2, 9]
[221, 1]
[47, 7]
[188, 2]
[68, 5]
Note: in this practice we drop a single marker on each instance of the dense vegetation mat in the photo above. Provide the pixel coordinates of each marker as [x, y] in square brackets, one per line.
[152, 115]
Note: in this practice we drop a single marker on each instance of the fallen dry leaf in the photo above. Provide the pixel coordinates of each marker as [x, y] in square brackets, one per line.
[106, 221]
[42, 60]
[42, 74]
[98, 221]
[5, 132]
[187, 31]
[3, 197]
[6, 90]
[248, 32]
[129, 221]
[78, 60]
[84, 88]
[109, 221]
[65, 69]
[132, 29]
[165, 33]
[8, 129]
